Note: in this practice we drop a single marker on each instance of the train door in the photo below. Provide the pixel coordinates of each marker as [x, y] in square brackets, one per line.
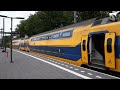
[110, 50]
[96, 49]
[84, 49]
[101, 49]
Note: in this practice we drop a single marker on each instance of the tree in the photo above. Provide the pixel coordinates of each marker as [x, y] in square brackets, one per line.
[84, 15]
[43, 21]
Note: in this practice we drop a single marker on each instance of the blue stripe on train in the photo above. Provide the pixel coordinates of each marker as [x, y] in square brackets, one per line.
[117, 47]
[71, 53]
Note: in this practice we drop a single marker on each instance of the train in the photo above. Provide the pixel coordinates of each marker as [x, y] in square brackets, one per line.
[93, 42]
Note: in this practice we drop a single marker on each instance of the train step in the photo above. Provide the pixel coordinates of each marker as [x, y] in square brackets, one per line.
[97, 66]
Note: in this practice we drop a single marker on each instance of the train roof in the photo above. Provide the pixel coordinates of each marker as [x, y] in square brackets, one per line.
[102, 21]
[83, 23]
[15, 39]
[92, 22]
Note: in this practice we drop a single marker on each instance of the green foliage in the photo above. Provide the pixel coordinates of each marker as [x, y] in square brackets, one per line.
[7, 38]
[43, 21]
[7, 41]
[84, 15]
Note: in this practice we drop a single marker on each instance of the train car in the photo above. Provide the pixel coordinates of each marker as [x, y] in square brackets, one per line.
[96, 44]
[24, 45]
[100, 45]
[62, 44]
[16, 43]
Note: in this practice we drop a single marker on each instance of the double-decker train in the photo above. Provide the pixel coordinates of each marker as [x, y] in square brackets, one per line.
[95, 43]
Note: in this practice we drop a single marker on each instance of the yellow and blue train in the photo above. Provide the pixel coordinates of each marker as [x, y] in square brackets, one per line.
[21, 44]
[92, 42]
[24, 45]
[16, 43]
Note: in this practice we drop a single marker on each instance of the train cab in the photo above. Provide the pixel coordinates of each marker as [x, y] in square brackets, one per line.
[24, 45]
[15, 43]
[100, 46]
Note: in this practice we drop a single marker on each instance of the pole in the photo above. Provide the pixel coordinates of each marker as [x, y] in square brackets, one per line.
[1, 39]
[3, 36]
[3, 33]
[11, 40]
[75, 18]
[5, 42]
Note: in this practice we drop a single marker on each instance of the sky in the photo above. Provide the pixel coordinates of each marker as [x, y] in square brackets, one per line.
[24, 14]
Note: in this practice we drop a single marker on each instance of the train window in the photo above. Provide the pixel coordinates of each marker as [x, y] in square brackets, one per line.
[37, 38]
[55, 36]
[109, 45]
[67, 34]
[43, 38]
[49, 37]
[33, 39]
[40, 38]
[84, 43]
[46, 37]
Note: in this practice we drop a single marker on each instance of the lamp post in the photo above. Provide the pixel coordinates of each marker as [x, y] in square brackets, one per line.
[1, 39]
[3, 35]
[11, 61]
[75, 16]
[3, 31]
[11, 32]
[5, 42]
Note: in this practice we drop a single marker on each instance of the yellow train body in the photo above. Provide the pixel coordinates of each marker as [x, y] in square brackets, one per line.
[24, 45]
[16, 43]
[93, 45]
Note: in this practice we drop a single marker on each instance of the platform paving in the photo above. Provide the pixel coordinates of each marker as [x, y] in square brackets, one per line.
[30, 66]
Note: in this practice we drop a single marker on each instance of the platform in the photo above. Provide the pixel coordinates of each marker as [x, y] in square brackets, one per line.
[32, 66]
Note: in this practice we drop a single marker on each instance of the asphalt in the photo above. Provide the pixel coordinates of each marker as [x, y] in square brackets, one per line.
[32, 66]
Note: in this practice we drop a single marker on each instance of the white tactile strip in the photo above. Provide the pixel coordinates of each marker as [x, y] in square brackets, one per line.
[91, 73]
[75, 68]
[55, 65]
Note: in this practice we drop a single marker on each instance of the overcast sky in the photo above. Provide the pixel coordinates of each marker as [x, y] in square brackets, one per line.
[24, 14]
